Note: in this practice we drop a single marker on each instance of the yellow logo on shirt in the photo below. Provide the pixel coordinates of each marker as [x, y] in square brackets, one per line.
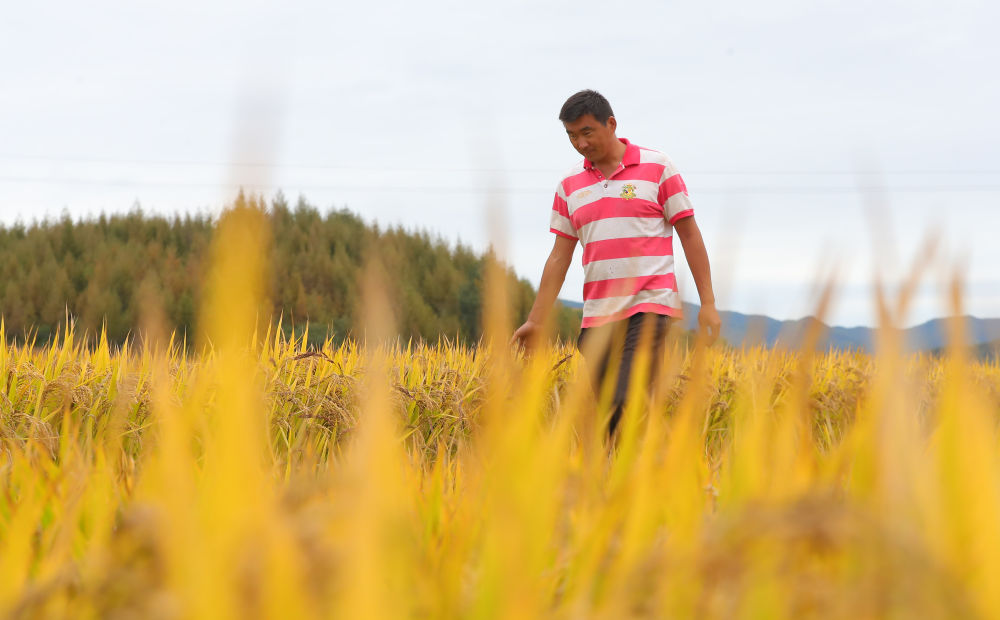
[628, 192]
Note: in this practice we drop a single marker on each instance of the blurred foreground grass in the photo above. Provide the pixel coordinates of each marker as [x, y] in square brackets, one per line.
[256, 478]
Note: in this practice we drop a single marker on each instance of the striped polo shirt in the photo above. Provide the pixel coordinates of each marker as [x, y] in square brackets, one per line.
[625, 224]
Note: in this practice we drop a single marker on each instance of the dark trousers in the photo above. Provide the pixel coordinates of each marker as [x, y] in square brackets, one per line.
[621, 341]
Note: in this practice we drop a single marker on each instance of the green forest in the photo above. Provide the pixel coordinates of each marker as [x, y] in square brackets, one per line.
[104, 272]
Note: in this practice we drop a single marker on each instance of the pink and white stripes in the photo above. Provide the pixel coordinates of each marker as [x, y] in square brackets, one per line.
[625, 224]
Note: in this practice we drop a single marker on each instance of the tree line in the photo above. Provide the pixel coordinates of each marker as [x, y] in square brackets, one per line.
[103, 272]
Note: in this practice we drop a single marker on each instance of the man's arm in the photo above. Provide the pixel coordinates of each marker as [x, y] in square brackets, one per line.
[697, 259]
[553, 276]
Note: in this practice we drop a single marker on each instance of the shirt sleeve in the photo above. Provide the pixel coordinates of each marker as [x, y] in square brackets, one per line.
[559, 221]
[673, 195]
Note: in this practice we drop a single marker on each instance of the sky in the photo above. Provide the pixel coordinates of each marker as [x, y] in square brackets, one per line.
[849, 140]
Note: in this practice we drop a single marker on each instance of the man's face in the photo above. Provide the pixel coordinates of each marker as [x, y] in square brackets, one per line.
[590, 138]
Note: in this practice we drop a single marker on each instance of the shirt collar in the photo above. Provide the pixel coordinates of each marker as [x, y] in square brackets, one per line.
[630, 157]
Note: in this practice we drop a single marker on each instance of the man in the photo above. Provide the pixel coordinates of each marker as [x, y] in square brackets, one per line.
[622, 204]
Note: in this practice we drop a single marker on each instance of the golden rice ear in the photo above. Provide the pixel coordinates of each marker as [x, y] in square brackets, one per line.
[956, 325]
[816, 329]
[925, 256]
[374, 473]
[376, 311]
[152, 320]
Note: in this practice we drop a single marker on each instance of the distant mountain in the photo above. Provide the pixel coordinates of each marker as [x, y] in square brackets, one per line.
[932, 336]
[743, 329]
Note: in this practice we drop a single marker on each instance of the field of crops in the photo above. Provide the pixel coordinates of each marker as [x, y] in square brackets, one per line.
[253, 477]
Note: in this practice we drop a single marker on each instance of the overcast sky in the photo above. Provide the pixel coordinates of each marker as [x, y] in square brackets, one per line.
[814, 137]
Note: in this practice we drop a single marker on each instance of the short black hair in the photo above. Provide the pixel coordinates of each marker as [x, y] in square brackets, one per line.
[586, 102]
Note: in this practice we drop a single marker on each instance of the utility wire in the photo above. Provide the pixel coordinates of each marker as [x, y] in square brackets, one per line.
[378, 188]
[445, 169]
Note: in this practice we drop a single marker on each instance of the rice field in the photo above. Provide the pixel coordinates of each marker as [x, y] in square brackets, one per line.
[252, 477]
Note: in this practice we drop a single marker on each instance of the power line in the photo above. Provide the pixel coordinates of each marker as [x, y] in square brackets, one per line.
[414, 189]
[444, 169]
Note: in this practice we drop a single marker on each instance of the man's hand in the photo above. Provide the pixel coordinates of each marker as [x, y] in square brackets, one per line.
[526, 335]
[697, 259]
[709, 323]
[553, 275]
